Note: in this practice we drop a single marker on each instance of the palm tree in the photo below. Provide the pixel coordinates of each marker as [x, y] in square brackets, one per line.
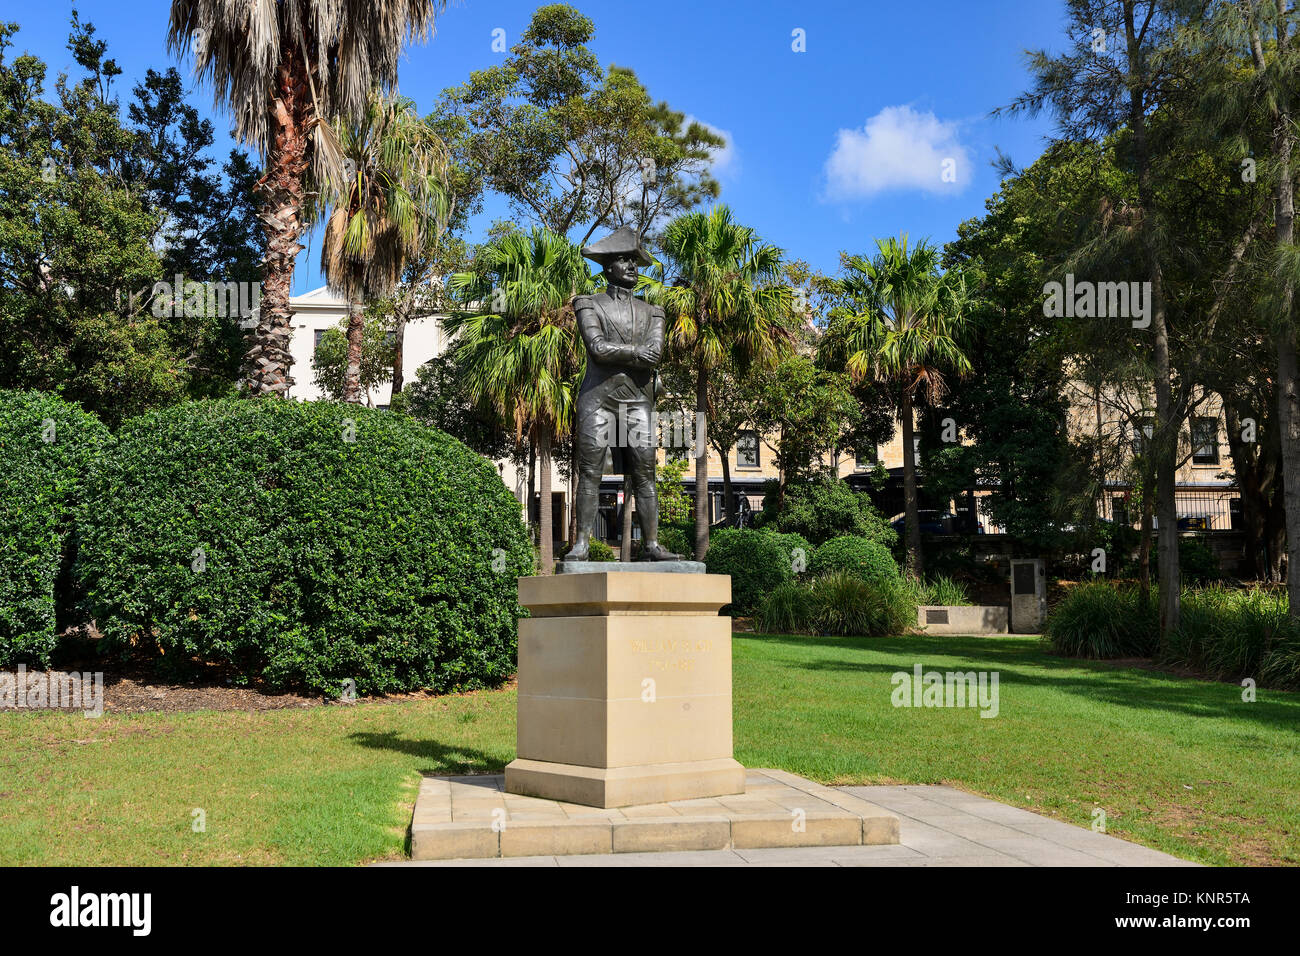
[522, 355]
[899, 324]
[286, 70]
[723, 301]
[379, 214]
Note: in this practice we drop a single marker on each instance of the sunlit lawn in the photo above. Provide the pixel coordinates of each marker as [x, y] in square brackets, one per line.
[1181, 765]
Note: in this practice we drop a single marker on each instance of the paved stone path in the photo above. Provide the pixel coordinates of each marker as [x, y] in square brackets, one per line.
[940, 826]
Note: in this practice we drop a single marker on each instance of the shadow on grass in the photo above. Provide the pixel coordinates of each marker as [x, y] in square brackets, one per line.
[446, 758]
[1026, 662]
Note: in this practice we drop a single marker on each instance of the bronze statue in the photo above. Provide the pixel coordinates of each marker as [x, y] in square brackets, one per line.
[624, 337]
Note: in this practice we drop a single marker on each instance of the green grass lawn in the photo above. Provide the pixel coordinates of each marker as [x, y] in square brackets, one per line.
[1181, 765]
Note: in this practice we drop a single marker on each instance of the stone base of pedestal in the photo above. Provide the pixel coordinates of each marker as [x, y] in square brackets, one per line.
[625, 786]
[624, 689]
[476, 818]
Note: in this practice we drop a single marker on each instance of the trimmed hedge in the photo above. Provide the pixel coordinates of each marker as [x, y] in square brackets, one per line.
[756, 560]
[46, 445]
[869, 560]
[306, 544]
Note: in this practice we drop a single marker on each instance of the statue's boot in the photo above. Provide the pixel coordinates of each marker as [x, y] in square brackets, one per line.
[581, 550]
[654, 551]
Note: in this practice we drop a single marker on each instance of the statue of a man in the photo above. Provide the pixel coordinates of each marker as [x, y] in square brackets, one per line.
[624, 337]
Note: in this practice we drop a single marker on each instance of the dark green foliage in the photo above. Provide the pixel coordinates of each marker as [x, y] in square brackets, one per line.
[826, 509]
[868, 559]
[1197, 562]
[256, 536]
[1231, 634]
[46, 445]
[1098, 620]
[756, 561]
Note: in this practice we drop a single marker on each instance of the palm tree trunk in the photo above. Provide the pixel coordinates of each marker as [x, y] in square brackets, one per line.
[912, 517]
[399, 356]
[625, 532]
[267, 362]
[352, 374]
[702, 466]
[545, 535]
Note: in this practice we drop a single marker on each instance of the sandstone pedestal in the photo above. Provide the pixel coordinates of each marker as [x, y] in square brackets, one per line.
[624, 689]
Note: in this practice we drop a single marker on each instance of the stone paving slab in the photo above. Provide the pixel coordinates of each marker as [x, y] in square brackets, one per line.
[938, 826]
[475, 818]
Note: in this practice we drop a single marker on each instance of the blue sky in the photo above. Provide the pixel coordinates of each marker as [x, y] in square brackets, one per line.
[828, 148]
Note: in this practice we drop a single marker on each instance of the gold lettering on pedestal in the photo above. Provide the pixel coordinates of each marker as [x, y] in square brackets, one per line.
[670, 655]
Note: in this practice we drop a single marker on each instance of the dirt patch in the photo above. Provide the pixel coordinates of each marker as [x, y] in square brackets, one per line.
[134, 689]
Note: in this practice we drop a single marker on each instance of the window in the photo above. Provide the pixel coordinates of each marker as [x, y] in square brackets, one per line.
[1205, 441]
[747, 450]
[319, 334]
[1119, 511]
[1144, 429]
[865, 458]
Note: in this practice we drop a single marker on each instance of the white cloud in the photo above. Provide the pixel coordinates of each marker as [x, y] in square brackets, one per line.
[726, 159]
[897, 149]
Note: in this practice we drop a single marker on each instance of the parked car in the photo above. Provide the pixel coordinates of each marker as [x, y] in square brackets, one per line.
[931, 520]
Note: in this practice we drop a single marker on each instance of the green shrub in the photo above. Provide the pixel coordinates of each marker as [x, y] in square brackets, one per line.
[1235, 633]
[754, 559]
[788, 609]
[1098, 620]
[794, 546]
[598, 551]
[943, 591]
[847, 604]
[826, 509]
[46, 445]
[678, 537]
[306, 544]
[864, 557]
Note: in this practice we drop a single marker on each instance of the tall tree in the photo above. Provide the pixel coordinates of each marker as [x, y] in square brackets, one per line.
[722, 294]
[573, 146]
[286, 71]
[517, 345]
[900, 324]
[389, 206]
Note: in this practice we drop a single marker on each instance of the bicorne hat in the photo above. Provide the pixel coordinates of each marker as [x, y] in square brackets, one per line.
[619, 242]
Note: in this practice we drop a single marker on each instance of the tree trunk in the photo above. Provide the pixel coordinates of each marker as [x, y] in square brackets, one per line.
[532, 484]
[352, 374]
[1288, 403]
[911, 511]
[625, 523]
[1168, 419]
[728, 507]
[1144, 545]
[399, 354]
[267, 362]
[545, 534]
[702, 466]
